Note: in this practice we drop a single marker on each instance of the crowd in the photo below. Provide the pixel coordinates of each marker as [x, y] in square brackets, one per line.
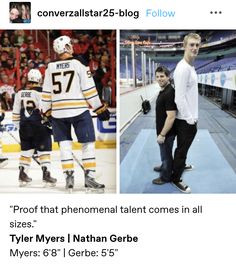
[92, 47]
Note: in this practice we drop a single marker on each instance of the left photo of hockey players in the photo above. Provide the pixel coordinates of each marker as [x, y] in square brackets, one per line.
[58, 111]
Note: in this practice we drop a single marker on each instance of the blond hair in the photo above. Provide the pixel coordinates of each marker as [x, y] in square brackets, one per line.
[191, 35]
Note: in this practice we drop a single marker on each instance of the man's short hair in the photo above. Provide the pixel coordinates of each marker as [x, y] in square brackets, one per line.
[191, 35]
[164, 70]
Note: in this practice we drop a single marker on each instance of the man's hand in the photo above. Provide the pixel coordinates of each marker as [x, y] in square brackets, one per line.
[190, 121]
[47, 122]
[102, 113]
[161, 139]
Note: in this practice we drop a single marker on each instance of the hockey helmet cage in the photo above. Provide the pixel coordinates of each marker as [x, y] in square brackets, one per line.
[34, 75]
[59, 44]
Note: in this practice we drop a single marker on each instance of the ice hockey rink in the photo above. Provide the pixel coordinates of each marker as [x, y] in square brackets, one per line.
[105, 156]
[106, 174]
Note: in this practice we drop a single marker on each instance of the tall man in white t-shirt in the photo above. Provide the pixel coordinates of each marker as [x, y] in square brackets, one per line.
[186, 99]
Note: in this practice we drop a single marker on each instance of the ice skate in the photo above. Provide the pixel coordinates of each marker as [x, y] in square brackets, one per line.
[47, 177]
[24, 180]
[3, 162]
[91, 184]
[69, 181]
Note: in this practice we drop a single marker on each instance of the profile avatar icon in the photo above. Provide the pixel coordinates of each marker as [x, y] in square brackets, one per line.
[20, 12]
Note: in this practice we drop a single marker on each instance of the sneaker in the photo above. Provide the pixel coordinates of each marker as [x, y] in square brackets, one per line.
[188, 167]
[157, 168]
[182, 186]
[158, 181]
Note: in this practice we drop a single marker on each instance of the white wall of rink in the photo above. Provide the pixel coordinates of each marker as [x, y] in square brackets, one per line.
[105, 132]
[222, 79]
[131, 103]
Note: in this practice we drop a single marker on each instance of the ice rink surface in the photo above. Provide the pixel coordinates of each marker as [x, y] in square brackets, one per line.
[106, 174]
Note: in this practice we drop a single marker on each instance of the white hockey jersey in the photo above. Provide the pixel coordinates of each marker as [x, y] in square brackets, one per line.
[68, 89]
[26, 106]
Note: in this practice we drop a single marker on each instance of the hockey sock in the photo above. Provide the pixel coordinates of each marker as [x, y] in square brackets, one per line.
[66, 156]
[88, 157]
[0, 147]
[1, 144]
[25, 159]
[45, 159]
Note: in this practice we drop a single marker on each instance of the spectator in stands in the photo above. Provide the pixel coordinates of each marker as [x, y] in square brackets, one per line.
[23, 61]
[105, 57]
[31, 52]
[186, 98]
[3, 58]
[10, 69]
[106, 93]
[6, 101]
[23, 82]
[6, 42]
[19, 38]
[6, 86]
[93, 63]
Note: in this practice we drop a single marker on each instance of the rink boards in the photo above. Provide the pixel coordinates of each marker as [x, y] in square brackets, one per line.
[105, 133]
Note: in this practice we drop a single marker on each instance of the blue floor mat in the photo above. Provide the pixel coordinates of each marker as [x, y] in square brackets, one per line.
[211, 173]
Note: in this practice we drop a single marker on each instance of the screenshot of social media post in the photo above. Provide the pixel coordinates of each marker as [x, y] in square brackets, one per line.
[117, 133]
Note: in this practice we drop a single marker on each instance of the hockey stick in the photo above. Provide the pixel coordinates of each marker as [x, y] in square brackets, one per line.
[78, 162]
[17, 141]
[95, 116]
[98, 174]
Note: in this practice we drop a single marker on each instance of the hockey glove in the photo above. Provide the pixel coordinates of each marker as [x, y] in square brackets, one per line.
[103, 113]
[47, 122]
[2, 116]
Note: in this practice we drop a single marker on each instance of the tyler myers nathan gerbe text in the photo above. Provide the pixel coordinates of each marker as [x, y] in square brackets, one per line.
[72, 238]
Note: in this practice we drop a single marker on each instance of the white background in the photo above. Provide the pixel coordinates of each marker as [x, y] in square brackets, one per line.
[164, 239]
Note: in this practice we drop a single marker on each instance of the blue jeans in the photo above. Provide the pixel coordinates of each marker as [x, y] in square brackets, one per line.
[167, 159]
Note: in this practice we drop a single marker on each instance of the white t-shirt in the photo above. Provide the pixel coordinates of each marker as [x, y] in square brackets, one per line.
[186, 92]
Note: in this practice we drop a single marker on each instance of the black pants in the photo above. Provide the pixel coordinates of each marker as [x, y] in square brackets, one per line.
[185, 134]
[34, 135]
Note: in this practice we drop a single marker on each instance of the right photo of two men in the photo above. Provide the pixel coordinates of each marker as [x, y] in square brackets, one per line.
[178, 111]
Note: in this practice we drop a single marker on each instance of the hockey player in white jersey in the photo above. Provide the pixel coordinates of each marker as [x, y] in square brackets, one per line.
[68, 91]
[33, 134]
[3, 159]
